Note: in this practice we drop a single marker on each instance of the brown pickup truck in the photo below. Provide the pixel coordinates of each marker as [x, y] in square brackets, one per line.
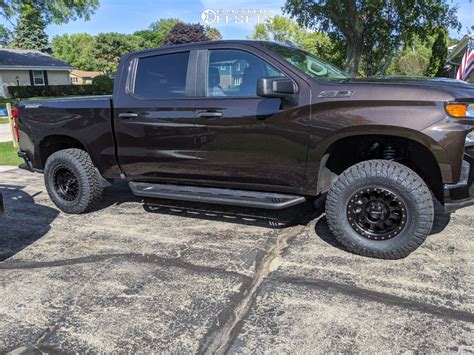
[264, 125]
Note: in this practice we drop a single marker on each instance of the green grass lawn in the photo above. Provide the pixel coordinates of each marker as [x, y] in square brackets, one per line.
[8, 154]
[3, 120]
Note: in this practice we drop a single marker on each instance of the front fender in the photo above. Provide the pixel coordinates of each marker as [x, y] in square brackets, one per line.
[318, 148]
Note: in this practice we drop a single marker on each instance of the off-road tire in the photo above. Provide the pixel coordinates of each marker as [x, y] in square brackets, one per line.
[88, 179]
[388, 175]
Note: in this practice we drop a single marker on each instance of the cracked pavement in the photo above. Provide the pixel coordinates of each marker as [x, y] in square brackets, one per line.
[153, 275]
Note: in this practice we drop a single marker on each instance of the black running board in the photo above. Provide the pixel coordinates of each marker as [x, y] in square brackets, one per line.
[266, 200]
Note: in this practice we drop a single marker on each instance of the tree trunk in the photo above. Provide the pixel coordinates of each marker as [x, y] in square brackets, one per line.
[354, 53]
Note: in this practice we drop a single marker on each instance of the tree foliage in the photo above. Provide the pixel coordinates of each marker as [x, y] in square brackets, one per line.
[155, 35]
[5, 36]
[30, 32]
[373, 29]
[412, 60]
[56, 11]
[186, 33]
[282, 29]
[76, 49]
[110, 47]
[439, 54]
[213, 33]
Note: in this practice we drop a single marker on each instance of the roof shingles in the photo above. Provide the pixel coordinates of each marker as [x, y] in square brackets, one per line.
[29, 59]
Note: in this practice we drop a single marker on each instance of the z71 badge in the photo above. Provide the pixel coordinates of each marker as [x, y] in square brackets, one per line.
[336, 94]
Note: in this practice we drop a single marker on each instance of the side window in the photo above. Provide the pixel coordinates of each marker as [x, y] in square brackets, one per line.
[162, 76]
[235, 73]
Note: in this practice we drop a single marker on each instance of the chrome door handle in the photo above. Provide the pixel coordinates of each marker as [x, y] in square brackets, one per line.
[128, 115]
[210, 114]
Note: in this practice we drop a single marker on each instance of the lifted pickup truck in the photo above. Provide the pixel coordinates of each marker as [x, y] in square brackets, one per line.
[264, 125]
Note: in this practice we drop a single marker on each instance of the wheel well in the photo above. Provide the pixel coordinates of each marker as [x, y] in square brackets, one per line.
[54, 143]
[352, 150]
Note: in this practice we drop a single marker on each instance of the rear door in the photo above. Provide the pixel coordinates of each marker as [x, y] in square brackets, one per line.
[154, 120]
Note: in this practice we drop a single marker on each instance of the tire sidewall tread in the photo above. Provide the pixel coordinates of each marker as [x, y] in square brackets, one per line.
[394, 177]
[80, 163]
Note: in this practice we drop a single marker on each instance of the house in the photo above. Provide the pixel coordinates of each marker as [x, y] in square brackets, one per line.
[230, 72]
[82, 77]
[30, 68]
[455, 56]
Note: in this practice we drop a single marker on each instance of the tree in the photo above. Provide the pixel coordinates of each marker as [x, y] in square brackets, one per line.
[57, 11]
[213, 33]
[186, 33]
[110, 47]
[283, 29]
[76, 49]
[374, 29]
[439, 54]
[5, 36]
[30, 31]
[155, 35]
[412, 60]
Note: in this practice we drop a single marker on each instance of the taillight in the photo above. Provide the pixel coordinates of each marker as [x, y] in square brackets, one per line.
[15, 112]
[15, 115]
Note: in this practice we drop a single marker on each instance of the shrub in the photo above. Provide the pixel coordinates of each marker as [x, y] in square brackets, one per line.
[104, 83]
[23, 92]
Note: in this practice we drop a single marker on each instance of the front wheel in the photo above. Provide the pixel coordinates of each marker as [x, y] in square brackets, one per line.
[380, 209]
[72, 181]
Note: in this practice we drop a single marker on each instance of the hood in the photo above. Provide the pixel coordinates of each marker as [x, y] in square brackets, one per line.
[408, 88]
[456, 89]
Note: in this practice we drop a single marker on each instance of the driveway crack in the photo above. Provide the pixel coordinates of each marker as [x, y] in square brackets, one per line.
[220, 338]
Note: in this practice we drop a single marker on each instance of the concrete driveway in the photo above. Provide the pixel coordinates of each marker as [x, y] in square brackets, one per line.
[5, 133]
[143, 276]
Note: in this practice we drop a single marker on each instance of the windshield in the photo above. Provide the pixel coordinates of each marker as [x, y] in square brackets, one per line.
[308, 63]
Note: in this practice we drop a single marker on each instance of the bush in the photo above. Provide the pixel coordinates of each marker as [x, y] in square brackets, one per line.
[24, 92]
[104, 83]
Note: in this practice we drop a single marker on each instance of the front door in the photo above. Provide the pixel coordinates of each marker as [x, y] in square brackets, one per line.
[245, 140]
[154, 121]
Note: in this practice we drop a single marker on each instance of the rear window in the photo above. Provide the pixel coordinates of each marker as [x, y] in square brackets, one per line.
[162, 76]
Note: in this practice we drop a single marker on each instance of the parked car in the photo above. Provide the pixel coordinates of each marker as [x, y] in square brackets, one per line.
[259, 124]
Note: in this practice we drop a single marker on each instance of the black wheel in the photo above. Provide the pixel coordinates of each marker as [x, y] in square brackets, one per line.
[72, 181]
[380, 209]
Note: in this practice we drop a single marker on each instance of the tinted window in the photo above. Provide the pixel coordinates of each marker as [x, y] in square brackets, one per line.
[235, 73]
[308, 63]
[162, 76]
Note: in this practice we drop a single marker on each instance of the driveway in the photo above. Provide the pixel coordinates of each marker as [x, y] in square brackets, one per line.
[5, 133]
[155, 275]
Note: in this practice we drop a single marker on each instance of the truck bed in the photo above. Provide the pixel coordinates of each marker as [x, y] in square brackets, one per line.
[88, 120]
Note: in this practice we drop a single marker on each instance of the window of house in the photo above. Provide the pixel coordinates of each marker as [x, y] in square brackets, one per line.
[74, 80]
[38, 77]
[241, 79]
[162, 76]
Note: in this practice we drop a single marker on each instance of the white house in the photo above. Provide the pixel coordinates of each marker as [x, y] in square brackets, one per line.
[30, 68]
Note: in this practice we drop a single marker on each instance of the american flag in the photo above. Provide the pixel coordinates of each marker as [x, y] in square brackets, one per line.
[467, 63]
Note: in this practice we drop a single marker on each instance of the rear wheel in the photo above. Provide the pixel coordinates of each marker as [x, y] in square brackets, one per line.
[380, 209]
[72, 181]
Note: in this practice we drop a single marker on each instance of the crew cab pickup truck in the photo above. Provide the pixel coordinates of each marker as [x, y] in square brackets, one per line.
[264, 125]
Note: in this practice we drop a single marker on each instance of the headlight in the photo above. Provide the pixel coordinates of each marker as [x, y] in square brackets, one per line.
[461, 110]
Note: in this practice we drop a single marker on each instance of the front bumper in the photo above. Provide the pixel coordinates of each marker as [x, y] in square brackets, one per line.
[461, 195]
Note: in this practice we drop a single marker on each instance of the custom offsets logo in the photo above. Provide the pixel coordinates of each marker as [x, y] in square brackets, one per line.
[238, 17]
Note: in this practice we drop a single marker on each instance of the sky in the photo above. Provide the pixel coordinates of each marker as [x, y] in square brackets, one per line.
[128, 16]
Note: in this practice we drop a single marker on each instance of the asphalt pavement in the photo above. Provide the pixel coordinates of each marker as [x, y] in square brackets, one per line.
[164, 276]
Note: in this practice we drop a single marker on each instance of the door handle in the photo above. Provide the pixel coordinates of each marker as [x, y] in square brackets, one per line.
[209, 114]
[128, 115]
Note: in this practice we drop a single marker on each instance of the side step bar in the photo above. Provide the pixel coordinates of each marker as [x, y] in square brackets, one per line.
[266, 200]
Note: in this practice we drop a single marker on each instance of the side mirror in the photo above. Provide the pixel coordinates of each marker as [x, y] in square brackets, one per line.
[276, 86]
